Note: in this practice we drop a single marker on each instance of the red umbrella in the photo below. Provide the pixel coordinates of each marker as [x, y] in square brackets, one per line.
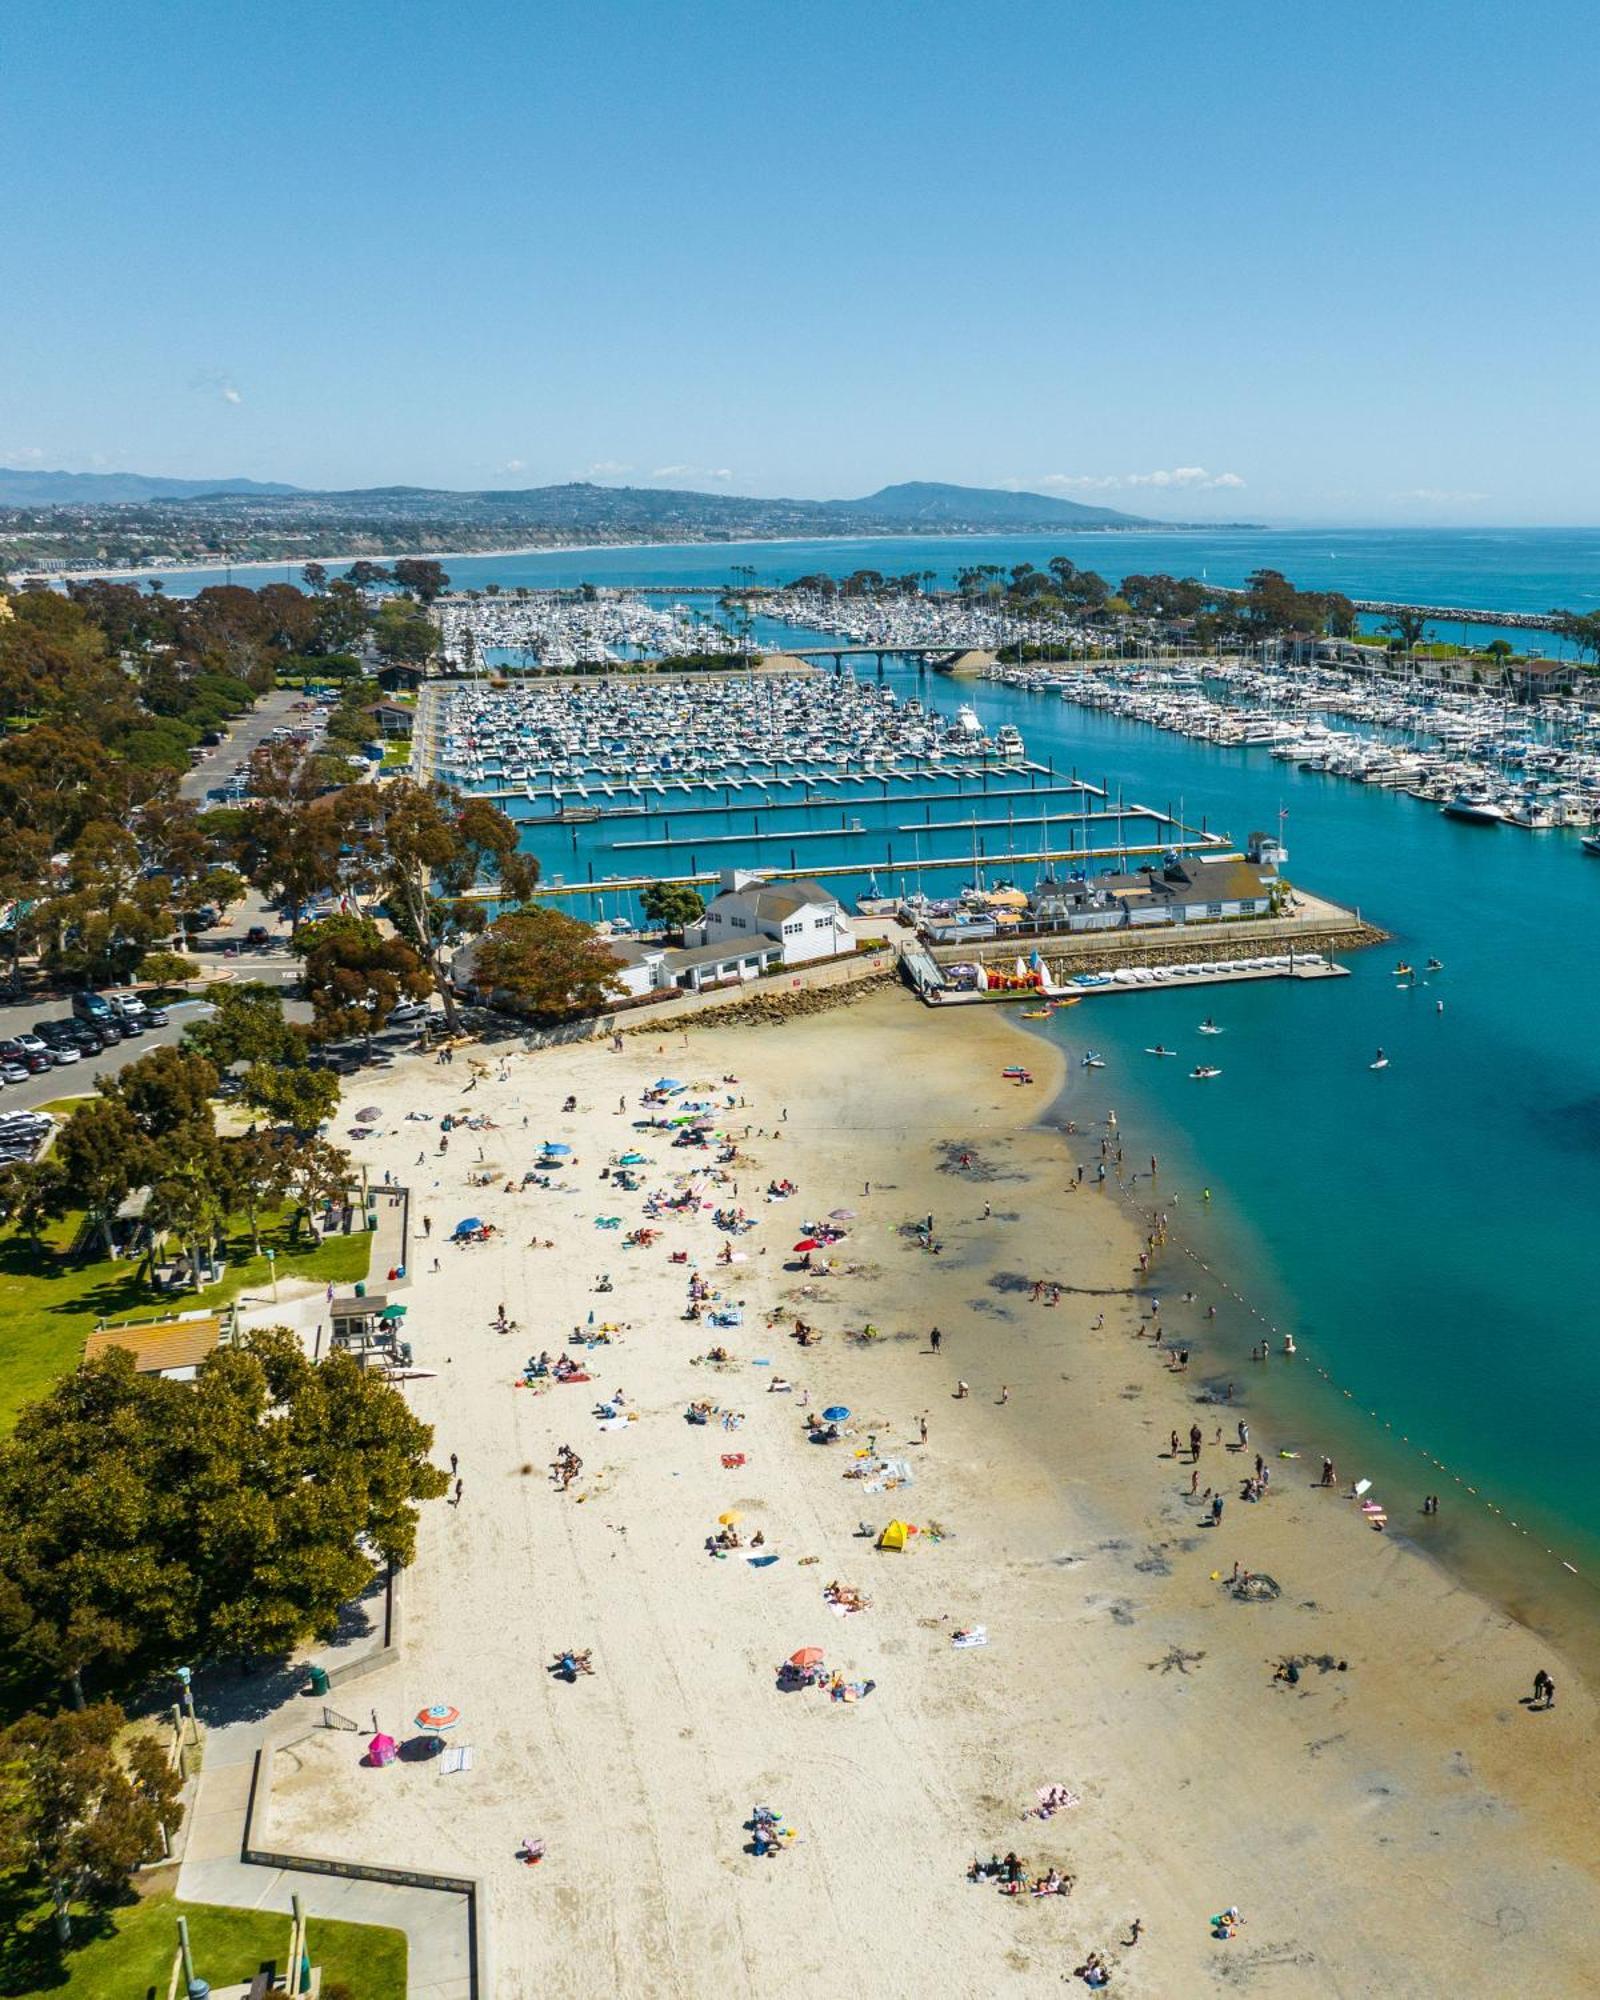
[808, 1656]
[808, 1243]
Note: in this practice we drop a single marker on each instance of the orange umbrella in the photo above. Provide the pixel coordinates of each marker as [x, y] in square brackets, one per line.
[808, 1656]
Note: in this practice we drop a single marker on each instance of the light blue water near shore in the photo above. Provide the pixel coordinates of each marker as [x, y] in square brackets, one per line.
[1424, 1228]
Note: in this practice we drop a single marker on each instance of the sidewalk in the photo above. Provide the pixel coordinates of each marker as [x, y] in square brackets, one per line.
[435, 1924]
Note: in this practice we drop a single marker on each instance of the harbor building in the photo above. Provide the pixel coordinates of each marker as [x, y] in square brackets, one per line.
[802, 918]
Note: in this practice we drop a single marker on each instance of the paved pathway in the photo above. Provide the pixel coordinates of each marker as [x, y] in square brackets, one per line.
[434, 1923]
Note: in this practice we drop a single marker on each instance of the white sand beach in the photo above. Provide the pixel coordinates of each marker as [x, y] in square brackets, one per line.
[1399, 1824]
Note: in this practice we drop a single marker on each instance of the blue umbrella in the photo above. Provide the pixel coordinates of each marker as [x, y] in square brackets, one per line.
[667, 1083]
[836, 1415]
[551, 1147]
[466, 1228]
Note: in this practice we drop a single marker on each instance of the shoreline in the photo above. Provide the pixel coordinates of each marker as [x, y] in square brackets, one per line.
[595, 548]
[1530, 1562]
[1118, 1662]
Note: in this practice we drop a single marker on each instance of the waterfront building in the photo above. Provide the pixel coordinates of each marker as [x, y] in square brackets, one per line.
[803, 918]
[1191, 889]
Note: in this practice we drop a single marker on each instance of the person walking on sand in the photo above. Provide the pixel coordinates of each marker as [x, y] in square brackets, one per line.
[1216, 1510]
[922, 1425]
[1005, 1392]
[936, 1340]
[962, 1392]
[427, 1225]
[456, 1500]
[1195, 1442]
[1173, 1445]
[1194, 1481]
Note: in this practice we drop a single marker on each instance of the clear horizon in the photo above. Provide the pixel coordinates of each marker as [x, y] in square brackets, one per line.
[1302, 271]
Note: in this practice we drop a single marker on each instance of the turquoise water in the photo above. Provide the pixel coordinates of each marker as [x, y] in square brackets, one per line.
[1421, 1228]
[1507, 569]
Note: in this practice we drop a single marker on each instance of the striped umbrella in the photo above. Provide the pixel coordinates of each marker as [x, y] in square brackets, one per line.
[439, 1718]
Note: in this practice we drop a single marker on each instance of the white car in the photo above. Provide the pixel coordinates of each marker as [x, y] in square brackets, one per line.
[409, 1010]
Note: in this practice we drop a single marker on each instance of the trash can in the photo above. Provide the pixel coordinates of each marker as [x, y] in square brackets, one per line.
[361, 1288]
[317, 1680]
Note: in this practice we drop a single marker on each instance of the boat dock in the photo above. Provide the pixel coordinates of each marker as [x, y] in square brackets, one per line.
[1120, 979]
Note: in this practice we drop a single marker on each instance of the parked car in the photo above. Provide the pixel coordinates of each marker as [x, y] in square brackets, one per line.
[62, 1050]
[408, 1010]
[13, 1072]
[131, 1013]
[91, 1007]
[156, 1017]
[90, 1041]
[258, 937]
[30, 1045]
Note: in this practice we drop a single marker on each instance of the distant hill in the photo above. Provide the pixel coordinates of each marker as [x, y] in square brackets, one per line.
[115, 489]
[578, 504]
[927, 502]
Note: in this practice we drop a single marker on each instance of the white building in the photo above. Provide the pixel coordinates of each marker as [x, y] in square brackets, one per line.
[801, 917]
[645, 968]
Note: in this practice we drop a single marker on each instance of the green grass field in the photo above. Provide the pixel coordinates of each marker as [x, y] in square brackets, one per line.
[127, 1954]
[48, 1302]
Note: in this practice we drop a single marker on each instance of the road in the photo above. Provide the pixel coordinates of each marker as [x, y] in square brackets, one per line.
[246, 736]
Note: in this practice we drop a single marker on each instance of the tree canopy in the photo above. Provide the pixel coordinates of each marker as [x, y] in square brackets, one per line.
[144, 1522]
[80, 1811]
[547, 961]
[672, 905]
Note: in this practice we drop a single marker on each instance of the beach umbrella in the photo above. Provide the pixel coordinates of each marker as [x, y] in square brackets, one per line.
[808, 1656]
[809, 1243]
[727, 1520]
[633, 1160]
[466, 1227]
[667, 1083]
[550, 1146]
[371, 1111]
[439, 1717]
[836, 1415]
[841, 1215]
[393, 1312]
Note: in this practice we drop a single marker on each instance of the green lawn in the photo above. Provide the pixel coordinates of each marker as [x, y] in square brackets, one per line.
[48, 1303]
[127, 1954]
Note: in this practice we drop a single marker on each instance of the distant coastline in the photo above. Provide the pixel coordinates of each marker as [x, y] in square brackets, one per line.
[85, 572]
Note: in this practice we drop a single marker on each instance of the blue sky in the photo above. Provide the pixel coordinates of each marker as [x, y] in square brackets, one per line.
[1242, 260]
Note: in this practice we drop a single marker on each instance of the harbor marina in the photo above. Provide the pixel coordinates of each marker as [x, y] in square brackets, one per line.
[617, 781]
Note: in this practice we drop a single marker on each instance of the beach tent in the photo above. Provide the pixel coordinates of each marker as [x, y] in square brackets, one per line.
[896, 1536]
[382, 1750]
[468, 1226]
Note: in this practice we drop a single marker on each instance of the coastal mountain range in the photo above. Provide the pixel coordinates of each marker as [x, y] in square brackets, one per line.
[917, 504]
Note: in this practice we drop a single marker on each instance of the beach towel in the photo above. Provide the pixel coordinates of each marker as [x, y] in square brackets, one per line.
[977, 1636]
[760, 1560]
[733, 1458]
[457, 1757]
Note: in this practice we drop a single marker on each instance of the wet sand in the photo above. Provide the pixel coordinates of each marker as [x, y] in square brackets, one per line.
[1404, 1826]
